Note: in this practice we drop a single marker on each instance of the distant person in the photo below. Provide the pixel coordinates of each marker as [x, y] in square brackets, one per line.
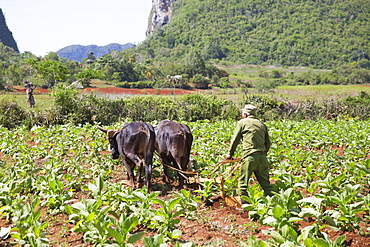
[29, 90]
[256, 143]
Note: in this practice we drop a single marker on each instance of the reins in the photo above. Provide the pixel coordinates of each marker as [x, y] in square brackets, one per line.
[218, 165]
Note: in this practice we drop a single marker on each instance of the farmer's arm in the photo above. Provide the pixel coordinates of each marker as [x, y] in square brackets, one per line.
[235, 139]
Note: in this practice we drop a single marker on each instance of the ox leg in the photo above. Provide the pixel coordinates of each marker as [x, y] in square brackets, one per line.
[166, 175]
[148, 170]
[135, 161]
[182, 164]
[129, 165]
[140, 170]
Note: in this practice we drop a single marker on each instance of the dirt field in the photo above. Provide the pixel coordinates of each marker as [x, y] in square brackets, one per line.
[116, 90]
[216, 224]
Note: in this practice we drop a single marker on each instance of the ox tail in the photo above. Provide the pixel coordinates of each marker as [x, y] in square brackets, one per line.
[181, 145]
[149, 144]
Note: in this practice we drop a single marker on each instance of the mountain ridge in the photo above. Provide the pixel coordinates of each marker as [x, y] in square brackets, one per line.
[80, 52]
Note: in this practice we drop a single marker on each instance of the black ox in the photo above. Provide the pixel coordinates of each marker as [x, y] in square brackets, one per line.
[173, 144]
[134, 143]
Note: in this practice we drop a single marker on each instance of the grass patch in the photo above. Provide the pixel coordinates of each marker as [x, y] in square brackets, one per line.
[43, 101]
[251, 72]
[319, 92]
[100, 84]
[298, 93]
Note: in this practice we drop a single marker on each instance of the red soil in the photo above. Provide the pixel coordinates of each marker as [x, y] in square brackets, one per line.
[117, 90]
[38, 90]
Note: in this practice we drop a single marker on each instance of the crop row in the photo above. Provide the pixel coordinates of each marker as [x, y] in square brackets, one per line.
[320, 170]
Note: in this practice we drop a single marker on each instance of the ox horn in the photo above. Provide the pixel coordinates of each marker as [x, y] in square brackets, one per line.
[104, 130]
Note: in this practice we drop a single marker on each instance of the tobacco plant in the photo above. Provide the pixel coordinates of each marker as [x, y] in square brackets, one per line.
[319, 169]
[28, 230]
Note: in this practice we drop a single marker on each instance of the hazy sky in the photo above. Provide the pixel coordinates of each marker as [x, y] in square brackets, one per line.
[43, 26]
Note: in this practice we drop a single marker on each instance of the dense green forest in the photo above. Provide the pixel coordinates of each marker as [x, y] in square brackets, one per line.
[317, 33]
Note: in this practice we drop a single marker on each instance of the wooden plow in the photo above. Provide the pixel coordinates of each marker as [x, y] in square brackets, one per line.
[231, 201]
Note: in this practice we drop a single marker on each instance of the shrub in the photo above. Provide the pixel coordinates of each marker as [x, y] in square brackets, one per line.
[266, 85]
[71, 107]
[123, 84]
[199, 81]
[199, 106]
[268, 108]
[357, 106]
[11, 114]
[85, 108]
[225, 83]
[148, 108]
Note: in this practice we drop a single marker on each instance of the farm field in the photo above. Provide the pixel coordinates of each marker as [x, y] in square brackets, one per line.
[60, 188]
[44, 99]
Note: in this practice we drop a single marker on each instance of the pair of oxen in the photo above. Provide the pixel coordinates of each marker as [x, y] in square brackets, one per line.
[137, 141]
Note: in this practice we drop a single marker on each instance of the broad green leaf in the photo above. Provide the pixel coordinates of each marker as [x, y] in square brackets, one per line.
[178, 213]
[176, 221]
[308, 242]
[339, 240]
[312, 200]
[309, 212]
[116, 235]
[321, 243]
[134, 238]
[288, 232]
[295, 219]
[288, 244]
[356, 205]
[104, 210]
[139, 195]
[173, 203]
[305, 232]
[91, 216]
[175, 234]
[330, 221]
[277, 237]
[159, 201]
[270, 221]
[278, 212]
[130, 223]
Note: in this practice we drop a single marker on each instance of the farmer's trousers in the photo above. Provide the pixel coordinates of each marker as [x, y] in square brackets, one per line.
[258, 164]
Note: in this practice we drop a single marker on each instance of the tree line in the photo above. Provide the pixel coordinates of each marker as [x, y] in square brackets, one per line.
[122, 69]
[129, 69]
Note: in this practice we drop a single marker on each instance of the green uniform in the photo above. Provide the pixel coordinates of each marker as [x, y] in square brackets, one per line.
[256, 143]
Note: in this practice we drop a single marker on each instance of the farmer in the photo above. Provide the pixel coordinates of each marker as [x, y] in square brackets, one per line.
[29, 90]
[256, 143]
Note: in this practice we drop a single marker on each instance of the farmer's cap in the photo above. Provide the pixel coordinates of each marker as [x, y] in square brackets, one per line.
[250, 109]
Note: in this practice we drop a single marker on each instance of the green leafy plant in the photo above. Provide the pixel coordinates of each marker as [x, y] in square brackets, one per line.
[285, 212]
[188, 203]
[92, 219]
[121, 229]
[165, 219]
[28, 229]
[257, 204]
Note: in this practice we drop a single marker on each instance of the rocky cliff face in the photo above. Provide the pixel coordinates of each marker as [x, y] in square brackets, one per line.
[6, 37]
[160, 15]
